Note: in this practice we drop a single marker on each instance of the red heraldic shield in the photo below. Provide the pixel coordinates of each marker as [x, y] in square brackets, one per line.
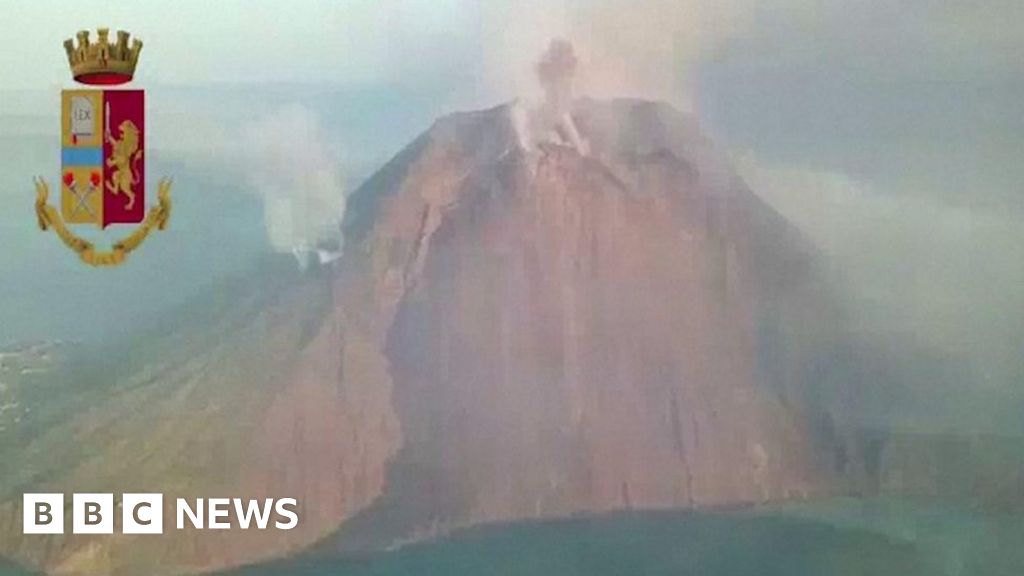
[124, 136]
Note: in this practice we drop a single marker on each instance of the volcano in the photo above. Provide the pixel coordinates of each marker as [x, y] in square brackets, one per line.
[527, 322]
[579, 328]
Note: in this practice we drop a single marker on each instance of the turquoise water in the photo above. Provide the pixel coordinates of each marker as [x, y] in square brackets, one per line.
[838, 538]
[842, 538]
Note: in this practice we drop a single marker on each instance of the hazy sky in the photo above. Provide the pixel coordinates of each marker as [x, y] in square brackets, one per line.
[652, 43]
[924, 93]
[838, 73]
[196, 41]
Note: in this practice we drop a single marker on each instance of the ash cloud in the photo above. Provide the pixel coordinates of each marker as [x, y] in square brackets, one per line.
[556, 70]
[552, 119]
[621, 49]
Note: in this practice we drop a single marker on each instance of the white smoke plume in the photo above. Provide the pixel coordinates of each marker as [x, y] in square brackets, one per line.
[291, 165]
[623, 48]
[556, 71]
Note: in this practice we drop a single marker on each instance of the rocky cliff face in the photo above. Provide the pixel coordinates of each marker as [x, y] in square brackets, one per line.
[576, 331]
[519, 328]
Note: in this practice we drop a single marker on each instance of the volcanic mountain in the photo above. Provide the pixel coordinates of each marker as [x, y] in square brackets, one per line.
[582, 323]
[528, 321]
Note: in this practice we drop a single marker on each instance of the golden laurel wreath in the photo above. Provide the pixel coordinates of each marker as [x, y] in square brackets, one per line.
[50, 218]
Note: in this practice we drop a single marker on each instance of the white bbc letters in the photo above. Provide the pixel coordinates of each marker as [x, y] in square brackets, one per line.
[43, 514]
[142, 513]
[92, 514]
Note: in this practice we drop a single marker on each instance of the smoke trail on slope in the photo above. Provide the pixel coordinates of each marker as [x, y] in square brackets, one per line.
[291, 166]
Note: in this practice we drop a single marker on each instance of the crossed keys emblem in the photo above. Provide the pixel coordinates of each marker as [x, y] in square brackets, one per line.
[82, 195]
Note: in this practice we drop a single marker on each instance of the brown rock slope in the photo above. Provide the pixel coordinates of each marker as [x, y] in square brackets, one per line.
[268, 399]
[572, 332]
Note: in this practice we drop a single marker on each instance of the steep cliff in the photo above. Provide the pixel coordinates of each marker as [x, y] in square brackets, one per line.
[580, 328]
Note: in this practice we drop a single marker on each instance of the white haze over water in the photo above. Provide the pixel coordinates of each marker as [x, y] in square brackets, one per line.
[946, 275]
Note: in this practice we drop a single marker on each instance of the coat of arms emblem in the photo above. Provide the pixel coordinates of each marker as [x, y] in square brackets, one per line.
[103, 152]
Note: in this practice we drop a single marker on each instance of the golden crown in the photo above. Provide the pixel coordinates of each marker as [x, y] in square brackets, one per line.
[103, 62]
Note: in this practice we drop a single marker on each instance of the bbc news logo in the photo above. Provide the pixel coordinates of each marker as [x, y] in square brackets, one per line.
[144, 513]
